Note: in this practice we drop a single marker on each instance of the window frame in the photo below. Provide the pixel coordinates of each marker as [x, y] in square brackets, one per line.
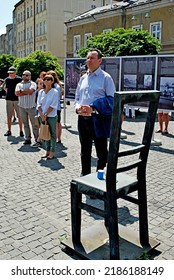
[76, 44]
[155, 32]
[86, 37]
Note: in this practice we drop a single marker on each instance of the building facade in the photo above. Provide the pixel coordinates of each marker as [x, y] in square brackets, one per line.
[155, 16]
[39, 25]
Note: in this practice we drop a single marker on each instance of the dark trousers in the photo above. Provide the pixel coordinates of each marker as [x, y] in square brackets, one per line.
[86, 136]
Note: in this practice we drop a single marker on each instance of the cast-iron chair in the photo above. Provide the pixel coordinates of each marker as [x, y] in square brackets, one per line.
[118, 184]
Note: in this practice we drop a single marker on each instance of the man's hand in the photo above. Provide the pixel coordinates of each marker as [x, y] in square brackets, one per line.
[85, 110]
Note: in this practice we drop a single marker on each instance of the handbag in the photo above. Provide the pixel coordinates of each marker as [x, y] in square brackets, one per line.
[44, 133]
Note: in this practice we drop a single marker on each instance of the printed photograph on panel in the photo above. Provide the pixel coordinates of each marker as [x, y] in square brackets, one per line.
[167, 93]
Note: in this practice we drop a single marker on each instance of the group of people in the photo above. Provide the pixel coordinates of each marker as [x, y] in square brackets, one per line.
[42, 98]
[31, 100]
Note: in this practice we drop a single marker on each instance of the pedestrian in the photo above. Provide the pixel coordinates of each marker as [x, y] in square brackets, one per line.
[39, 83]
[2, 91]
[25, 90]
[93, 85]
[58, 87]
[163, 116]
[47, 106]
[12, 100]
[42, 74]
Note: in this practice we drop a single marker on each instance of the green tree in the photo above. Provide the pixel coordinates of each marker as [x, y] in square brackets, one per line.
[39, 61]
[123, 42]
[6, 60]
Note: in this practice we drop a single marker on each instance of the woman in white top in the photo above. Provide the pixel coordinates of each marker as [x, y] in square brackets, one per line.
[58, 86]
[47, 106]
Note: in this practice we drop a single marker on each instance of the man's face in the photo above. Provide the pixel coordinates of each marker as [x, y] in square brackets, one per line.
[92, 61]
[26, 77]
[12, 75]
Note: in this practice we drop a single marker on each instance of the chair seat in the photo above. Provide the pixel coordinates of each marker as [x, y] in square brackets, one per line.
[91, 185]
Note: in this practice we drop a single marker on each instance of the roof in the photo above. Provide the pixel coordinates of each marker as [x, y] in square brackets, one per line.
[114, 6]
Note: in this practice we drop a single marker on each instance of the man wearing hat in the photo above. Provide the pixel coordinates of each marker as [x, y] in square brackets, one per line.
[25, 90]
[12, 100]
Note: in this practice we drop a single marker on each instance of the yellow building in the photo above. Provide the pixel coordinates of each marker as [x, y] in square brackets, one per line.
[156, 16]
[39, 24]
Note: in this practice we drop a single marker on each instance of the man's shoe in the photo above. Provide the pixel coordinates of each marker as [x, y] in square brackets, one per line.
[8, 133]
[36, 144]
[27, 142]
[21, 134]
[165, 132]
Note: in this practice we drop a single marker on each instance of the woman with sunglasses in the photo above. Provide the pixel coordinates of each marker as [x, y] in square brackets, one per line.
[47, 103]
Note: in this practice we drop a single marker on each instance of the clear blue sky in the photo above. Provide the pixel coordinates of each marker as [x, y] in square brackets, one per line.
[7, 7]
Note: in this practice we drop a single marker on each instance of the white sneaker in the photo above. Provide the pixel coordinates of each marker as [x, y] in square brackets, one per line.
[36, 144]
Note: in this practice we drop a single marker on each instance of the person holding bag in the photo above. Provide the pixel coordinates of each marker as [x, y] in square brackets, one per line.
[47, 103]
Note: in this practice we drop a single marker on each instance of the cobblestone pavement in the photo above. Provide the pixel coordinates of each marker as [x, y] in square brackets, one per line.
[35, 197]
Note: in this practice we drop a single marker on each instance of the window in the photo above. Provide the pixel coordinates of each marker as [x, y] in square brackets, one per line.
[31, 11]
[18, 36]
[28, 33]
[18, 18]
[44, 48]
[28, 13]
[76, 45]
[45, 5]
[37, 29]
[37, 8]
[31, 32]
[107, 29]
[44, 27]
[21, 17]
[137, 27]
[40, 28]
[41, 7]
[155, 30]
[86, 37]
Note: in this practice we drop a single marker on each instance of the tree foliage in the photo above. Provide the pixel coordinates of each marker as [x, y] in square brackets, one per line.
[6, 60]
[123, 42]
[35, 62]
[39, 61]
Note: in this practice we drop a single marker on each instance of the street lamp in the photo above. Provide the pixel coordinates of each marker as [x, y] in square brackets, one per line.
[140, 15]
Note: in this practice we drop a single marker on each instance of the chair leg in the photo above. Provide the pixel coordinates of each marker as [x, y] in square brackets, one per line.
[143, 216]
[76, 199]
[111, 223]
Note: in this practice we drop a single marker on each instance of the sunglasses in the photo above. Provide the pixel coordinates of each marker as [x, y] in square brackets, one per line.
[25, 75]
[47, 79]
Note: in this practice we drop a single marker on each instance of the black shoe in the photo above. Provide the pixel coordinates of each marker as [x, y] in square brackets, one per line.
[27, 142]
[8, 133]
[21, 134]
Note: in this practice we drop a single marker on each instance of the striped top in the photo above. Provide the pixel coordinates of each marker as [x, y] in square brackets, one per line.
[27, 101]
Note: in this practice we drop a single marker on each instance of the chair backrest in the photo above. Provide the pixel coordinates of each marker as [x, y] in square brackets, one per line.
[121, 98]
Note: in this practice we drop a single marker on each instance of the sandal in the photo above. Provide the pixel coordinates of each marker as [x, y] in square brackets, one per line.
[165, 132]
[45, 156]
[49, 158]
[158, 131]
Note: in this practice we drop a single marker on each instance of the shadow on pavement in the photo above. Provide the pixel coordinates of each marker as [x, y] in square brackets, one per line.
[53, 164]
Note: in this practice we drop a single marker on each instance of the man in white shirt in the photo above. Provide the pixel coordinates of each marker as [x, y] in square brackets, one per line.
[25, 90]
